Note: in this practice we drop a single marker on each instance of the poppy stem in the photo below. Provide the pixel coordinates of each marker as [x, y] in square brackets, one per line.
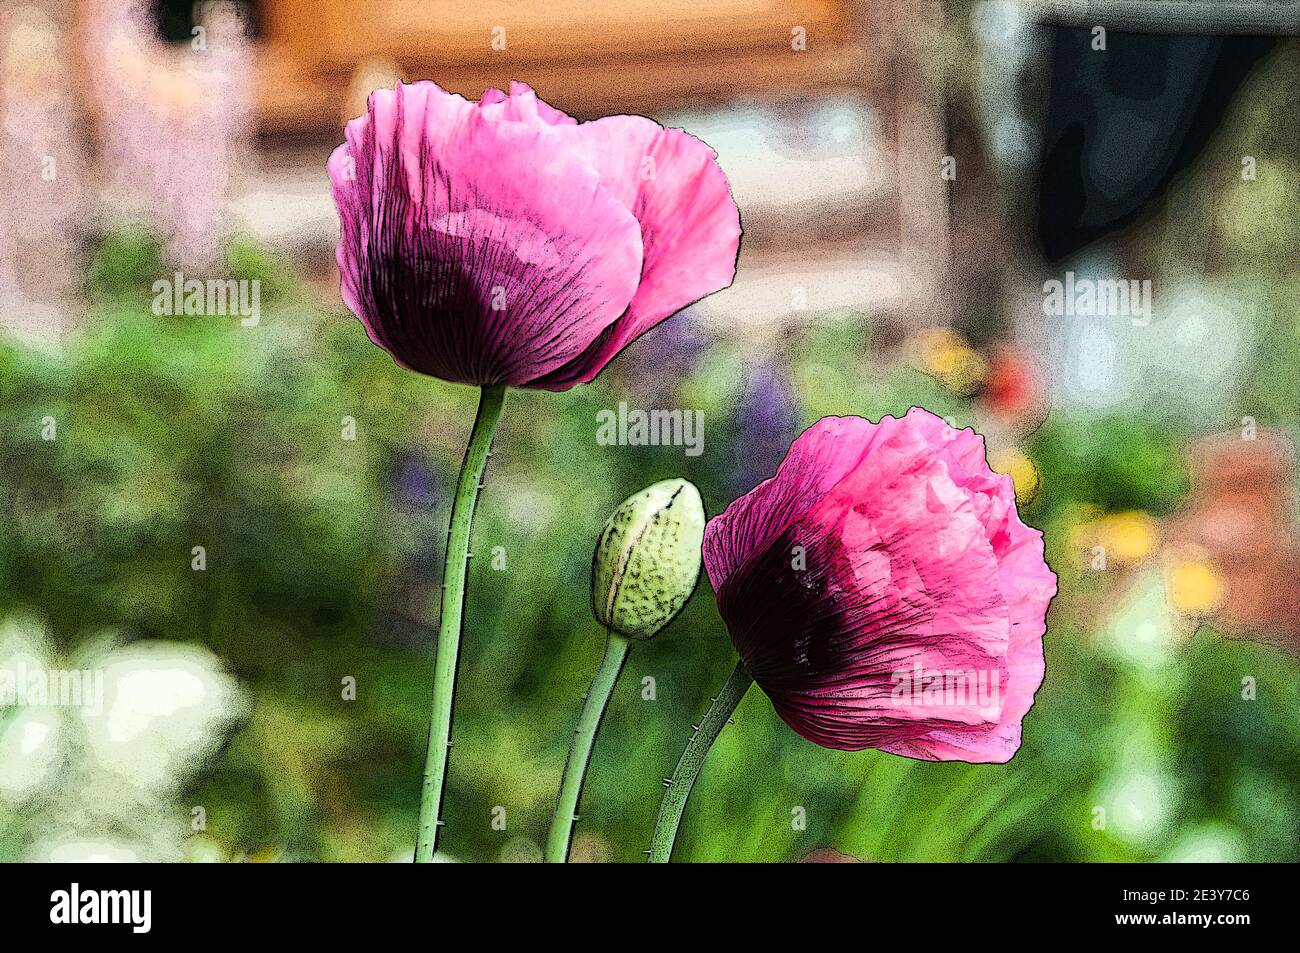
[449, 626]
[584, 736]
[688, 768]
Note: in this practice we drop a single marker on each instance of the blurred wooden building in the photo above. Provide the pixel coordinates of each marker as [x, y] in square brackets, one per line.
[591, 58]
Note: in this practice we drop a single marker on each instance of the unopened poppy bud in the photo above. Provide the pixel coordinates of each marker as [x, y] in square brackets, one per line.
[647, 559]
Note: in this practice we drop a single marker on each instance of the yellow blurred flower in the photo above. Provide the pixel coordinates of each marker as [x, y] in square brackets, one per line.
[1125, 538]
[944, 355]
[1022, 471]
[1129, 536]
[1195, 587]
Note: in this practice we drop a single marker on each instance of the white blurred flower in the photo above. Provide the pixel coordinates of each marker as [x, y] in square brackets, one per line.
[166, 710]
[1206, 844]
[1140, 805]
[117, 762]
[1142, 629]
[30, 753]
[84, 852]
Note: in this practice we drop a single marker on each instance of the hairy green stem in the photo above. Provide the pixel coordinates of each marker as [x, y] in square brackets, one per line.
[584, 736]
[453, 604]
[688, 768]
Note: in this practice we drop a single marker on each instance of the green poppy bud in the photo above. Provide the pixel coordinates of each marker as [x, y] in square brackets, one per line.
[647, 559]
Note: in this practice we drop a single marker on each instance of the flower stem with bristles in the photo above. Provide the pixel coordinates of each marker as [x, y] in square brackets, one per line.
[449, 627]
[678, 788]
[584, 736]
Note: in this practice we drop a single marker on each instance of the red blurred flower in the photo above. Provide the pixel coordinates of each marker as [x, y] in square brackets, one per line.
[1014, 391]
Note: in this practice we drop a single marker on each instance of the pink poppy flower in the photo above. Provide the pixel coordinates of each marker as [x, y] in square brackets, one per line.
[884, 593]
[502, 242]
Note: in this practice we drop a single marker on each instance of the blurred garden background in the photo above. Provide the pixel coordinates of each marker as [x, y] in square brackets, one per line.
[909, 175]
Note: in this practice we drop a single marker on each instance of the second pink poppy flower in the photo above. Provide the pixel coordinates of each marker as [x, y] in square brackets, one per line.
[882, 590]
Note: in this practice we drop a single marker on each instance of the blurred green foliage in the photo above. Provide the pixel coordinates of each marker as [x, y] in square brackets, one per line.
[323, 562]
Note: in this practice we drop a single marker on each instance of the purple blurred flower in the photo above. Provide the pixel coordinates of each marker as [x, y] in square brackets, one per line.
[767, 422]
[665, 357]
[414, 482]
